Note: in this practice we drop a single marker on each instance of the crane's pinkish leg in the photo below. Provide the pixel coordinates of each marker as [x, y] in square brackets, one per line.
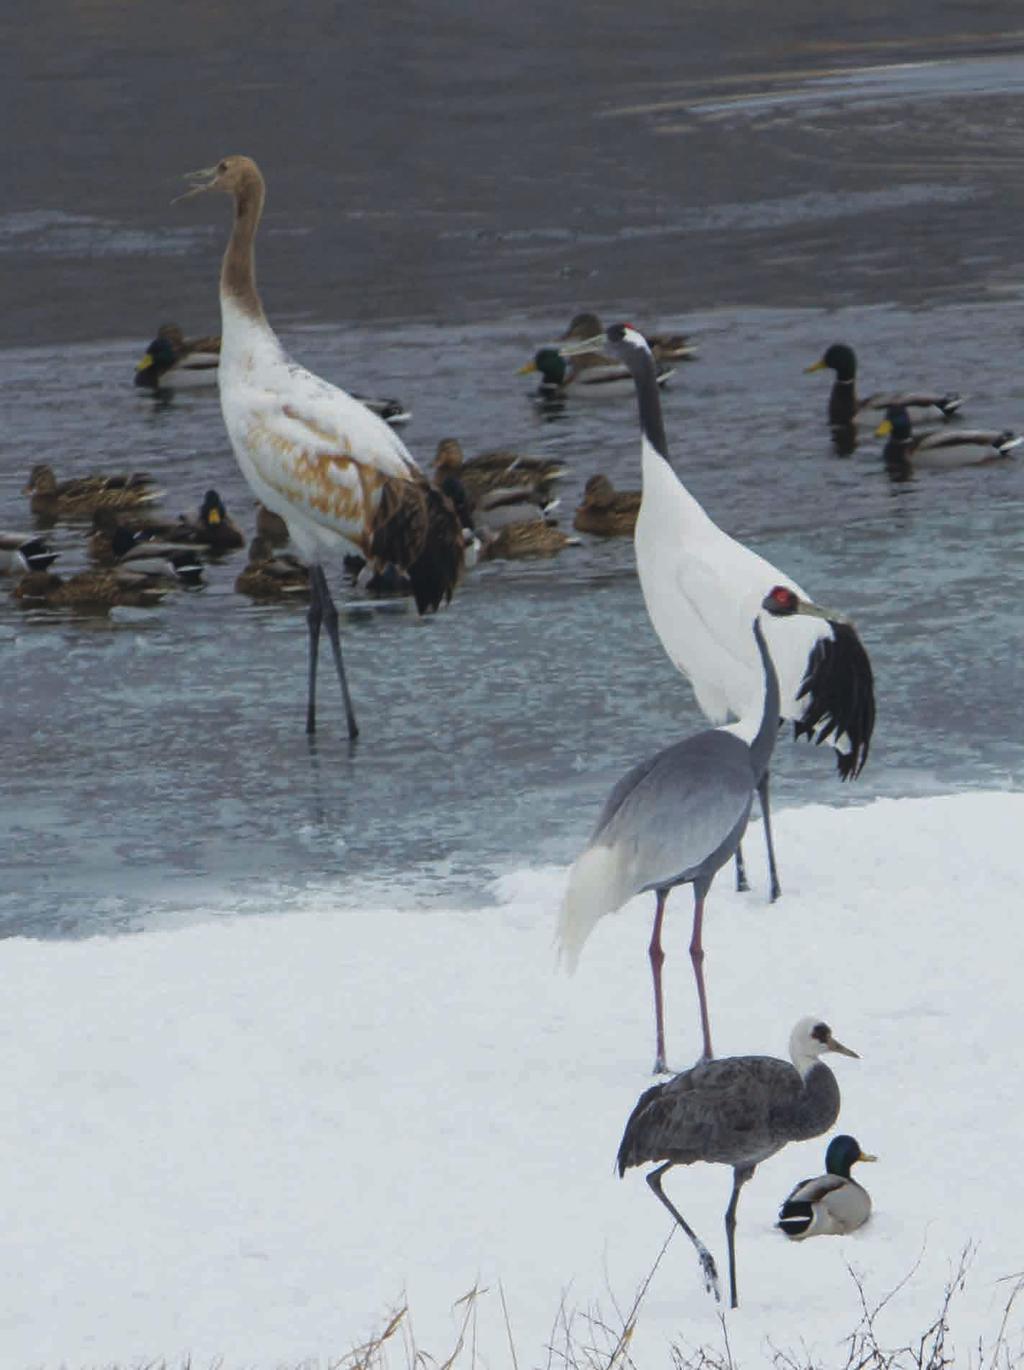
[697, 957]
[657, 956]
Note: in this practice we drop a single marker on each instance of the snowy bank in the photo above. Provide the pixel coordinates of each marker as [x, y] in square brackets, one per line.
[250, 1138]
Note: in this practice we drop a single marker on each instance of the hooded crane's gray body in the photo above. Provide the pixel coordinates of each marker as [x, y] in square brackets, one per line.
[736, 1112]
[676, 819]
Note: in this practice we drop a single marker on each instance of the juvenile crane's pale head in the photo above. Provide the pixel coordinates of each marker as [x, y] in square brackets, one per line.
[230, 175]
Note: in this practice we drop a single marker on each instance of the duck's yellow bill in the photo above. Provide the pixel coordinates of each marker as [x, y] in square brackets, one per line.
[213, 516]
[146, 362]
[817, 366]
[884, 429]
[525, 370]
[865, 1157]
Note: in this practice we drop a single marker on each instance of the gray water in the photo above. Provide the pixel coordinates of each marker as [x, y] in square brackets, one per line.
[474, 188]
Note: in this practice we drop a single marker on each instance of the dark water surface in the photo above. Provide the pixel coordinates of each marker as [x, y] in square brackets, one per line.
[446, 188]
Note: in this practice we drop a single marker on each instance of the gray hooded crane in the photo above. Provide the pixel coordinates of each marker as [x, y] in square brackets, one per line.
[737, 1111]
[676, 819]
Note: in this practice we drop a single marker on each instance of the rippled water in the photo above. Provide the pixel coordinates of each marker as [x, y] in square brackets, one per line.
[155, 761]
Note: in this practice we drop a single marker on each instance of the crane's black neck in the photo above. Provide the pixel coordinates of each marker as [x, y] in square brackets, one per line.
[641, 368]
[764, 742]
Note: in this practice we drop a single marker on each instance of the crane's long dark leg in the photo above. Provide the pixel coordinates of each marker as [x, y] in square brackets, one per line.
[657, 956]
[697, 957]
[314, 618]
[707, 1261]
[742, 883]
[329, 615]
[775, 889]
[740, 1176]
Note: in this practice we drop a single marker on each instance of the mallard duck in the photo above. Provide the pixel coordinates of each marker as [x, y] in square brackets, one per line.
[24, 552]
[213, 528]
[845, 408]
[830, 1204]
[380, 579]
[522, 540]
[586, 373]
[271, 526]
[943, 448]
[665, 347]
[85, 494]
[172, 360]
[272, 575]
[117, 531]
[103, 589]
[605, 511]
[493, 471]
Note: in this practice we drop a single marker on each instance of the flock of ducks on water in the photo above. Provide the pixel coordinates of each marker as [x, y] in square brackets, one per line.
[334, 480]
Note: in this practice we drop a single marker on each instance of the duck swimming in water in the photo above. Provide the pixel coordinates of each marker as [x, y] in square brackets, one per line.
[605, 511]
[844, 407]
[943, 448]
[830, 1204]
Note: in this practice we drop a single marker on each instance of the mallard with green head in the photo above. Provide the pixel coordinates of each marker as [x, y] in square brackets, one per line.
[830, 1204]
[845, 408]
[944, 448]
[587, 373]
[172, 361]
[21, 552]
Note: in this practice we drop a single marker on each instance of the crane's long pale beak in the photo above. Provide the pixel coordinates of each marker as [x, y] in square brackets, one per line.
[203, 179]
[817, 366]
[884, 429]
[804, 606]
[578, 346]
[833, 1045]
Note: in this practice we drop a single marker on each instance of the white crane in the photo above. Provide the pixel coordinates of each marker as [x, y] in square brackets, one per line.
[702, 588]
[340, 478]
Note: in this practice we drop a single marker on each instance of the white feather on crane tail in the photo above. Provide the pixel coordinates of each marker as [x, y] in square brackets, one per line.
[599, 883]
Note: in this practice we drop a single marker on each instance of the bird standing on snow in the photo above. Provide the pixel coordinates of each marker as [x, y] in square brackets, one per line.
[831, 1204]
[340, 478]
[702, 588]
[676, 819]
[737, 1111]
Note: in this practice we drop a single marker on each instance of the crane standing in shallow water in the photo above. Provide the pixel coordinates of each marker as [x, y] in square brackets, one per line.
[676, 819]
[737, 1111]
[337, 474]
[702, 588]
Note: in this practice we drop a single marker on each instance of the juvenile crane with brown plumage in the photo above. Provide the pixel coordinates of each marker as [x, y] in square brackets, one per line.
[337, 474]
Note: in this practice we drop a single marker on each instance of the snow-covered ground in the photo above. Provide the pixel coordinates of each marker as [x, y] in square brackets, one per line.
[252, 1137]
